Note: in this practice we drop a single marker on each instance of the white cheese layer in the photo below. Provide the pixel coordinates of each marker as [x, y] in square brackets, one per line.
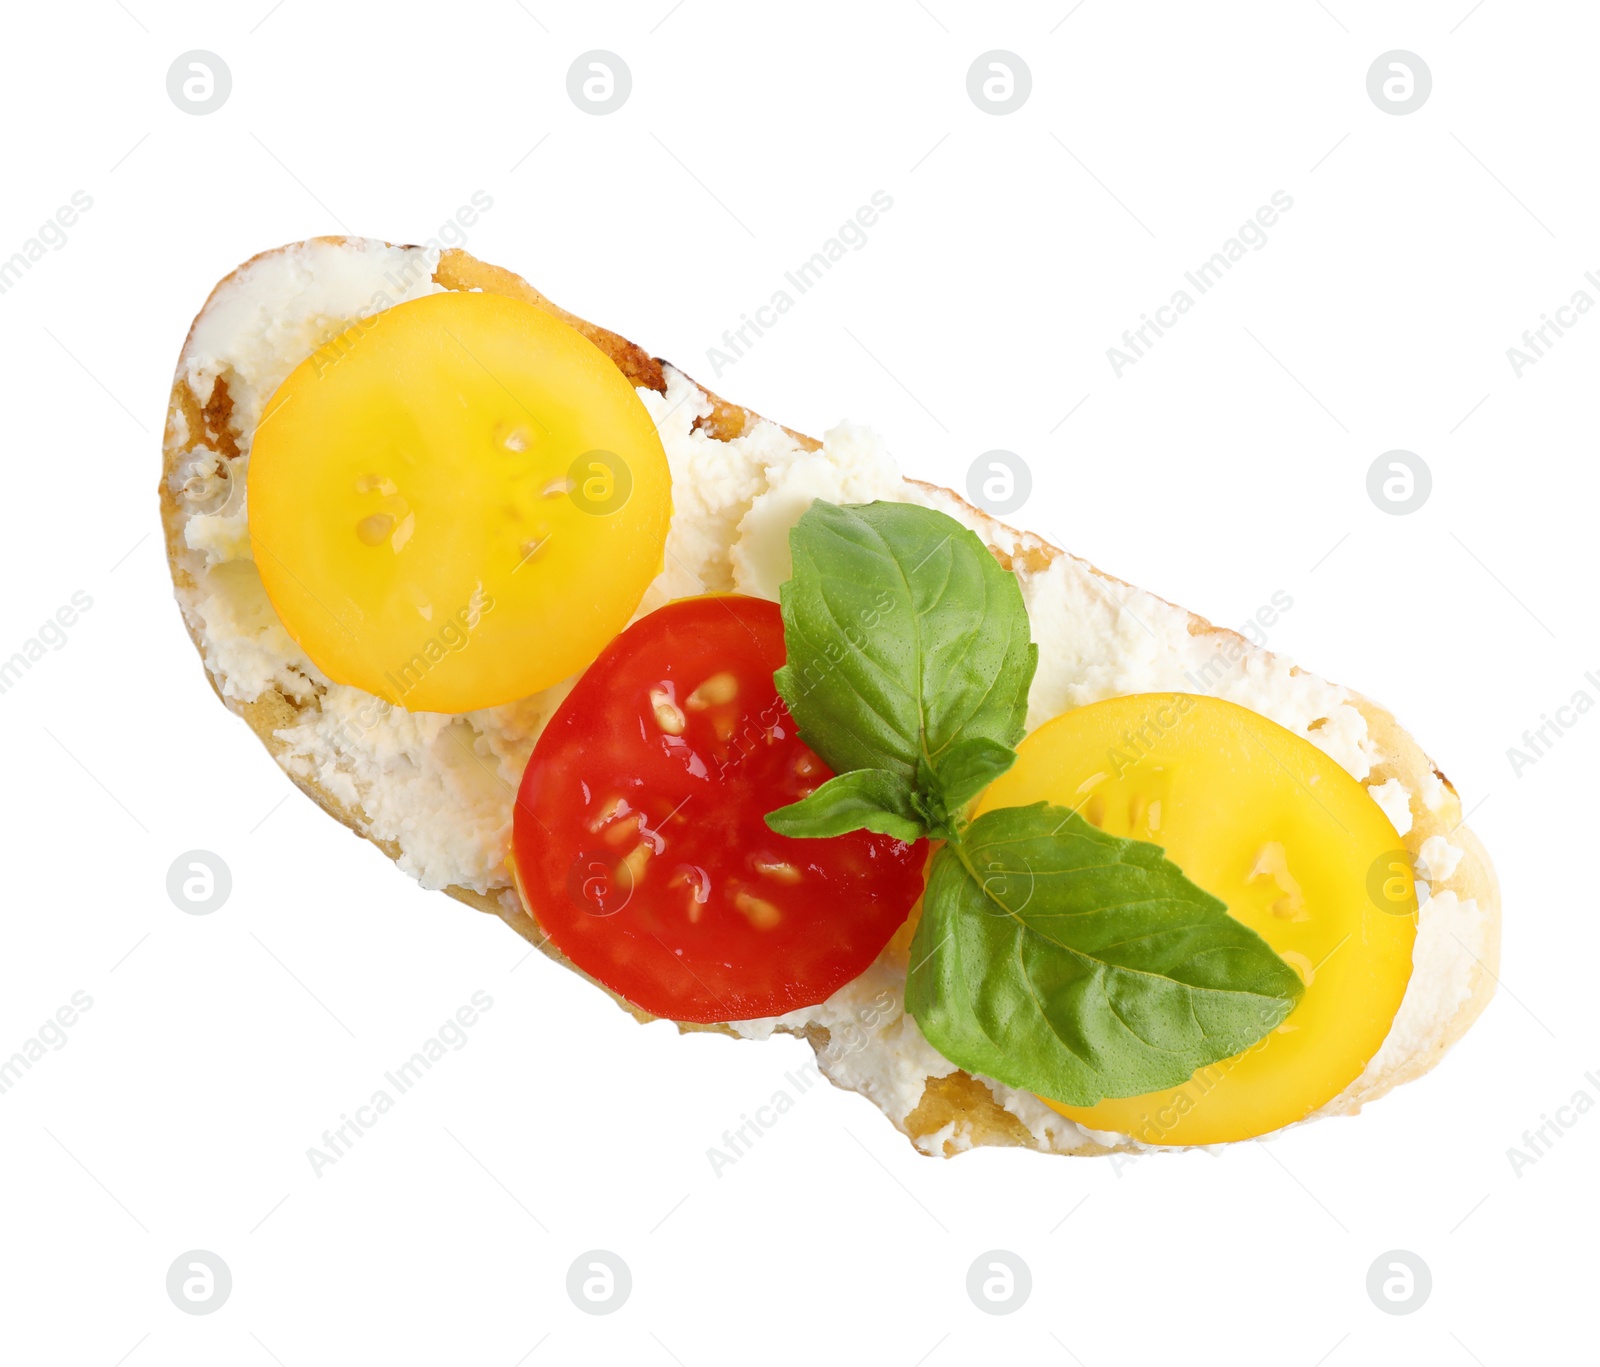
[441, 788]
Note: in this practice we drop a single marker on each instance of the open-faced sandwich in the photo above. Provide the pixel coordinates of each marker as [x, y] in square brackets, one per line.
[760, 736]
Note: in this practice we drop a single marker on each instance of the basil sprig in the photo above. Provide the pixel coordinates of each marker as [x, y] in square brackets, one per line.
[1050, 955]
[1081, 965]
[909, 655]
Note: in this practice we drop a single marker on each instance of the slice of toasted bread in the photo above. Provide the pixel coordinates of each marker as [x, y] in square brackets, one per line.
[941, 1108]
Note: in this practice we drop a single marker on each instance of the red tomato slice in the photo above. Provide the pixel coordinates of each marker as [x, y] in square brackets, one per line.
[639, 838]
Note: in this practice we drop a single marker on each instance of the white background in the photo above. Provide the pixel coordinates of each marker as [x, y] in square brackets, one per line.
[1228, 463]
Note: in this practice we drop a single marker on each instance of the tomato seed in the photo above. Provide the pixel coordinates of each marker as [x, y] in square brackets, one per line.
[668, 717]
[757, 910]
[685, 875]
[779, 869]
[374, 530]
[613, 808]
[635, 861]
[718, 689]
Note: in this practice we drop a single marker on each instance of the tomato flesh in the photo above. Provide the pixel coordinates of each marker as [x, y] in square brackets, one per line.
[447, 481]
[640, 839]
[1262, 819]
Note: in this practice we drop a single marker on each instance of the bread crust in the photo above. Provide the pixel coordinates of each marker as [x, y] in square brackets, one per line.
[202, 424]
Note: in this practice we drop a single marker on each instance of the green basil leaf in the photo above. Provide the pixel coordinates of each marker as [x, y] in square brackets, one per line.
[1080, 965]
[969, 766]
[904, 638]
[862, 800]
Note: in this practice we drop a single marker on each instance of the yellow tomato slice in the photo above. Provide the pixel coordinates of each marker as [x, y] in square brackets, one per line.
[457, 502]
[1263, 820]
